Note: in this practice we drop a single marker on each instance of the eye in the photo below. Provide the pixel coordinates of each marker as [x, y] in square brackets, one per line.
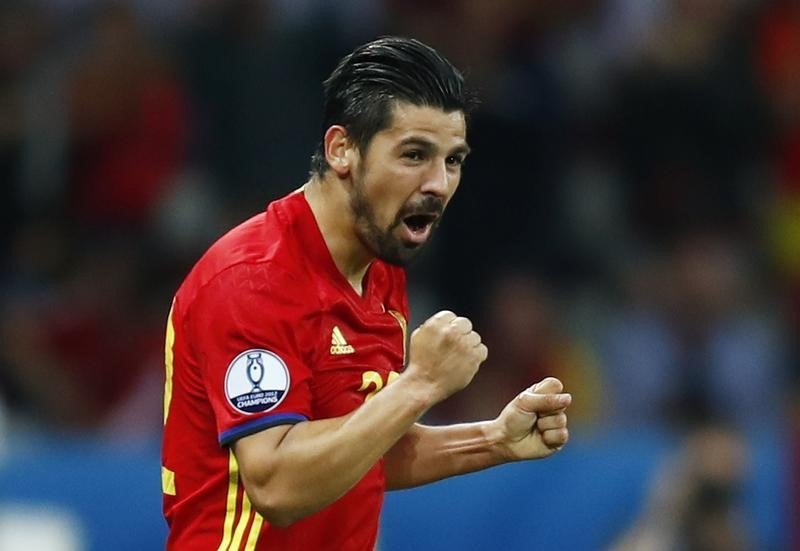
[455, 160]
[413, 155]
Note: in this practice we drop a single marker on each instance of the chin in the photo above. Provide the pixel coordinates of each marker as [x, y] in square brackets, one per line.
[401, 256]
[391, 248]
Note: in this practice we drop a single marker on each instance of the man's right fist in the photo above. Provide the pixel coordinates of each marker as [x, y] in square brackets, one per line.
[445, 352]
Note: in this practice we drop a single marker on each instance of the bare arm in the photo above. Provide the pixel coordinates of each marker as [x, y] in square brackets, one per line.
[290, 472]
[531, 426]
[426, 454]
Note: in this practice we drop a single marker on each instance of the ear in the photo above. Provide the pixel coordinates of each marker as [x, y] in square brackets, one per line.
[339, 150]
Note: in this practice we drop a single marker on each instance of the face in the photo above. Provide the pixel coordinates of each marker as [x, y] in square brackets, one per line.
[405, 179]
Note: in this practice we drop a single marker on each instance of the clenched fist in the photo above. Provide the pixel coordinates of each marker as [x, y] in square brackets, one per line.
[534, 424]
[445, 354]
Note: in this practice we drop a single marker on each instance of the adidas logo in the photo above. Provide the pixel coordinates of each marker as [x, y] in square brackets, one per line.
[339, 344]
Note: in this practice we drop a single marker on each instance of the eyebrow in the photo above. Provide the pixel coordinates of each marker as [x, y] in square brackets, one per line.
[424, 143]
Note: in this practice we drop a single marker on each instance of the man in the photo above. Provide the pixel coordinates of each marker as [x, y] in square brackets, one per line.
[291, 399]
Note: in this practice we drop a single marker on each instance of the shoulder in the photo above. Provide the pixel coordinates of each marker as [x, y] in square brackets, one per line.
[252, 305]
[250, 292]
[259, 239]
[259, 255]
[265, 286]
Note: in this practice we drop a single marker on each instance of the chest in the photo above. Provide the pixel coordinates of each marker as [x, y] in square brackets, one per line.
[359, 353]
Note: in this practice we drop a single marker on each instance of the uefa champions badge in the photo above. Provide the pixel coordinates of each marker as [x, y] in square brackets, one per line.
[256, 381]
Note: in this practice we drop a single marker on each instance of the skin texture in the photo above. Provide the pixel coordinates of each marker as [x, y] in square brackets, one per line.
[412, 166]
[291, 471]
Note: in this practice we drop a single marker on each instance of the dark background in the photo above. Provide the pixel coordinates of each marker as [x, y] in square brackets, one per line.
[629, 219]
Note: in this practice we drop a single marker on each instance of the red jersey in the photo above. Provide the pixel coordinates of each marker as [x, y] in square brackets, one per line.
[265, 331]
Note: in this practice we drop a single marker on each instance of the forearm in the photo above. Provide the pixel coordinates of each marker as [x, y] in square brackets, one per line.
[316, 462]
[426, 454]
[531, 426]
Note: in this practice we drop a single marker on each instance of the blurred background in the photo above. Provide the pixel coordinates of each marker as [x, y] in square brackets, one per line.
[629, 221]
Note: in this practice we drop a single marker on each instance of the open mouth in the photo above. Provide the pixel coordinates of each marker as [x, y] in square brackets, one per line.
[419, 222]
[418, 227]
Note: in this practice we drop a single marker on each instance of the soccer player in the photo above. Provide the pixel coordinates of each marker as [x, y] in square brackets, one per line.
[293, 395]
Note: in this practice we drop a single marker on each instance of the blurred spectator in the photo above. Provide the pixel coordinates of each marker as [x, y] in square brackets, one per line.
[691, 343]
[659, 139]
[127, 120]
[255, 91]
[100, 128]
[23, 28]
[779, 67]
[75, 350]
[611, 131]
[778, 33]
[690, 123]
[696, 503]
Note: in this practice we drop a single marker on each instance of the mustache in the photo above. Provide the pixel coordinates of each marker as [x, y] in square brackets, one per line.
[428, 205]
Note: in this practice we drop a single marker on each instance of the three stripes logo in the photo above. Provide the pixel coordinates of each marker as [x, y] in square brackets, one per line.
[339, 345]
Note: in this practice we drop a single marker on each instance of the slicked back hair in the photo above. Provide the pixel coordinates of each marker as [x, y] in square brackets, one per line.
[361, 91]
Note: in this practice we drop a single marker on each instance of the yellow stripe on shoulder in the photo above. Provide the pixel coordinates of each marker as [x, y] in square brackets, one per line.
[167, 481]
[169, 342]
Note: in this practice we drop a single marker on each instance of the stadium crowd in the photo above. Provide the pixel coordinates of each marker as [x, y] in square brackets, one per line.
[629, 220]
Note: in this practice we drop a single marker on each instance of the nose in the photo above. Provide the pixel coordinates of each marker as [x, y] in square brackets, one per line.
[437, 180]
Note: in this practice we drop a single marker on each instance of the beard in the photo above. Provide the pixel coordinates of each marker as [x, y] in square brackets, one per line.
[383, 242]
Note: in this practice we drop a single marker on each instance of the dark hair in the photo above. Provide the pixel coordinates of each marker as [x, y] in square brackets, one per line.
[362, 89]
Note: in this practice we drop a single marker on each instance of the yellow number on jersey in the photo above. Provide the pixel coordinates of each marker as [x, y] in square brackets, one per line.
[373, 380]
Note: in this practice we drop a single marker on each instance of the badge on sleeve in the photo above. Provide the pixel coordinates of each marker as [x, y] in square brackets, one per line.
[256, 381]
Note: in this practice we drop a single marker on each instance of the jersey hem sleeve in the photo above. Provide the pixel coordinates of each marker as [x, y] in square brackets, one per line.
[257, 425]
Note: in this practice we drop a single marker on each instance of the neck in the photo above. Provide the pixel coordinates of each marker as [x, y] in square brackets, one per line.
[329, 200]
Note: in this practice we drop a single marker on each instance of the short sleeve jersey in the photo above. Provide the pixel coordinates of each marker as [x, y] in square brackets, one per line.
[266, 331]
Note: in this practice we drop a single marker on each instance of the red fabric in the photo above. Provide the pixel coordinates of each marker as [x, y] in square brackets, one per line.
[270, 289]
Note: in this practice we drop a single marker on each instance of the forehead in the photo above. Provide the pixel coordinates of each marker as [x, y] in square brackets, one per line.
[447, 128]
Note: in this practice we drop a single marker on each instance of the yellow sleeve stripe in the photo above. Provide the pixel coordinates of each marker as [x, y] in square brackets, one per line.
[244, 520]
[255, 531]
[169, 342]
[233, 489]
[232, 538]
[167, 481]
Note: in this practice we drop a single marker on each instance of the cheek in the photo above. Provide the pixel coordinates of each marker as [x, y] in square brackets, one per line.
[389, 196]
